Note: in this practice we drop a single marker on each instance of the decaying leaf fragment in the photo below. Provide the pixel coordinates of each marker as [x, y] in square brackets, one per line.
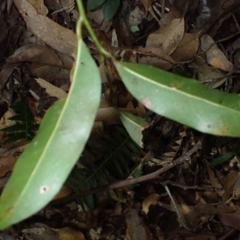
[208, 75]
[152, 199]
[56, 36]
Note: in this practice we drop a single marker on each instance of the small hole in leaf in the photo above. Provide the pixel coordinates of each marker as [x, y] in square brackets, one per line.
[44, 189]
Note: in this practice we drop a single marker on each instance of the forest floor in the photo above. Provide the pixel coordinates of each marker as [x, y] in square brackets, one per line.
[190, 190]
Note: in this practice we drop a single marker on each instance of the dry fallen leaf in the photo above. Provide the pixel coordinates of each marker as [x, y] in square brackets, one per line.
[51, 90]
[206, 74]
[8, 166]
[4, 121]
[140, 109]
[189, 215]
[229, 183]
[236, 189]
[168, 17]
[108, 114]
[43, 232]
[215, 56]
[168, 37]
[155, 56]
[8, 159]
[187, 48]
[230, 219]
[50, 73]
[135, 228]
[40, 54]
[39, 6]
[96, 16]
[56, 36]
[208, 209]
[5, 73]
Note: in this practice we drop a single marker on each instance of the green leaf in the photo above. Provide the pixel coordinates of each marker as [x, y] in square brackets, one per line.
[182, 99]
[134, 125]
[45, 164]
[17, 118]
[24, 127]
[222, 159]
[138, 172]
[14, 128]
[110, 8]
[19, 136]
[23, 109]
[92, 4]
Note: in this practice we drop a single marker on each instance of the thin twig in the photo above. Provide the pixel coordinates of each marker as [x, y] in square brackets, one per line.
[146, 156]
[177, 210]
[205, 188]
[128, 182]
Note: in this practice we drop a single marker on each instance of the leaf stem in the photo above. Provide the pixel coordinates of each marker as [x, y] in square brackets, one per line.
[83, 19]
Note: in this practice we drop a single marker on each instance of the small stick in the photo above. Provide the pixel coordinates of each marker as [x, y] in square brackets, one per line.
[178, 211]
[195, 187]
[128, 182]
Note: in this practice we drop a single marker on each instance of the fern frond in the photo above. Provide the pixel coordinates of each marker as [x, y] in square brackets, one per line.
[119, 158]
[25, 126]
